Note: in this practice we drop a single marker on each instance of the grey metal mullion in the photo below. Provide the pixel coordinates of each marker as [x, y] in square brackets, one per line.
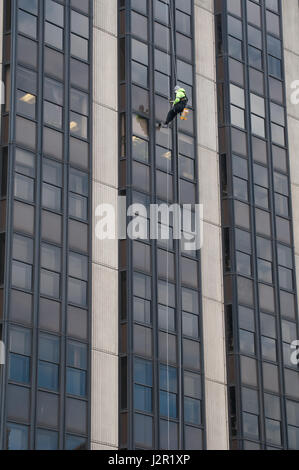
[38, 190]
[252, 206]
[65, 247]
[130, 284]
[280, 362]
[90, 213]
[230, 201]
[176, 191]
[9, 212]
[278, 317]
[154, 277]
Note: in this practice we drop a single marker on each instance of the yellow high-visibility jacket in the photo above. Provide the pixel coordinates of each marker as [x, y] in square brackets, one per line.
[180, 95]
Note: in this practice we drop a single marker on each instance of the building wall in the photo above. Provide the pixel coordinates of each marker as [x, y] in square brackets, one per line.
[211, 253]
[104, 373]
[291, 52]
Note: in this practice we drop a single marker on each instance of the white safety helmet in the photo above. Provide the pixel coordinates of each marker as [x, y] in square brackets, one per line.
[177, 87]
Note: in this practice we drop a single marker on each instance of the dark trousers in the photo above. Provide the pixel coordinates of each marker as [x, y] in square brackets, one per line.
[177, 109]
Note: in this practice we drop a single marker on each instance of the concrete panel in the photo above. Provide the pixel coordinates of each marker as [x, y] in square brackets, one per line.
[105, 252]
[297, 272]
[105, 309]
[217, 416]
[207, 131]
[291, 74]
[105, 145]
[290, 9]
[295, 201]
[293, 128]
[209, 186]
[211, 255]
[214, 340]
[105, 69]
[205, 43]
[104, 399]
[105, 15]
[95, 446]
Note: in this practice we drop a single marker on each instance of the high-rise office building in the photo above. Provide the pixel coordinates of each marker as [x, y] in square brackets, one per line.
[141, 343]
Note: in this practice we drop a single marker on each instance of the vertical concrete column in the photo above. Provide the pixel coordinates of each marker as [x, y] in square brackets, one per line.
[290, 15]
[211, 253]
[104, 372]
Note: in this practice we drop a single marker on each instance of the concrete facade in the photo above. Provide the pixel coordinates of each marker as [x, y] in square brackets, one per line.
[291, 53]
[104, 372]
[211, 253]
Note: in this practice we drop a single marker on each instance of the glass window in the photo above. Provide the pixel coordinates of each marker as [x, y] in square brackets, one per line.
[189, 271]
[191, 354]
[26, 133]
[79, 102]
[53, 91]
[26, 104]
[235, 48]
[79, 73]
[273, 431]
[247, 342]
[139, 52]
[24, 218]
[23, 249]
[54, 62]
[139, 25]
[48, 376]
[251, 425]
[248, 371]
[51, 257]
[272, 23]
[29, 5]
[47, 409]
[46, 440]
[167, 347]
[16, 437]
[183, 22]
[79, 24]
[77, 291]
[269, 349]
[142, 340]
[24, 188]
[54, 12]
[50, 284]
[27, 52]
[142, 398]
[250, 400]
[27, 24]
[75, 443]
[79, 125]
[53, 35]
[168, 435]
[25, 162]
[190, 325]
[79, 47]
[143, 434]
[51, 197]
[21, 275]
[271, 382]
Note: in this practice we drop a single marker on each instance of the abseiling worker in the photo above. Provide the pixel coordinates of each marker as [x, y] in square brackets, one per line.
[179, 104]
